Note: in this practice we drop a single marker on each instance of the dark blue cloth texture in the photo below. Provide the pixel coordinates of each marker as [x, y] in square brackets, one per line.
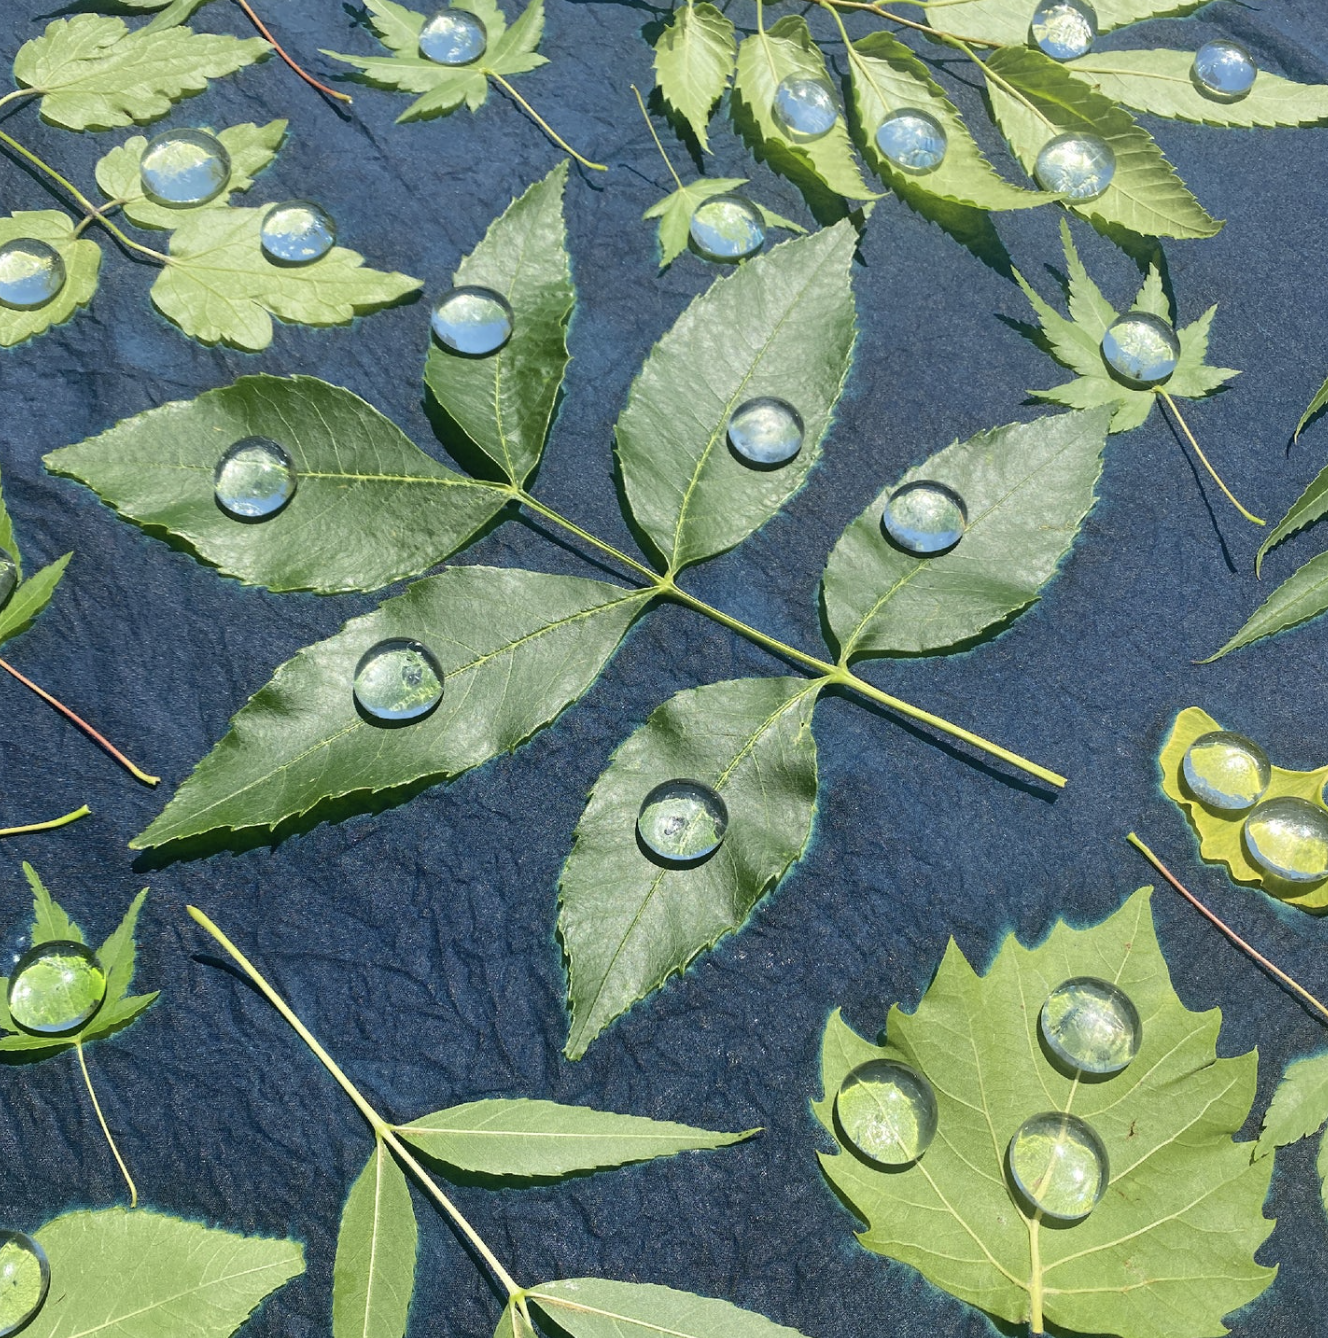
[419, 943]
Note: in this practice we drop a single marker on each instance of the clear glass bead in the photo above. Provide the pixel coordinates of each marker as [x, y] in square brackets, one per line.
[1224, 70]
[184, 168]
[1079, 166]
[727, 228]
[804, 109]
[1141, 349]
[682, 821]
[925, 518]
[397, 681]
[254, 479]
[453, 37]
[1225, 771]
[1064, 29]
[32, 273]
[765, 432]
[25, 1279]
[1058, 1164]
[473, 321]
[1091, 1025]
[887, 1112]
[297, 233]
[1288, 838]
[913, 141]
[56, 988]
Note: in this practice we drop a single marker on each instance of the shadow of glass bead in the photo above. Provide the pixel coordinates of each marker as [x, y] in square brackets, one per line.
[56, 988]
[1141, 349]
[887, 1112]
[472, 321]
[8, 576]
[682, 821]
[727, 228]
[1059, 1165]
[254, 479]
[453, 37]
[1064, 29]
[25, 1278]
[1079, 166]
[32, 272]
[804, 109]
[925, 518]
[297, 233]
[1288, 838]
[398, 680]
[184, 168]
[1091, 1025]
[1224, 70]
[914, 141]
[765, 431]
[1225, 771]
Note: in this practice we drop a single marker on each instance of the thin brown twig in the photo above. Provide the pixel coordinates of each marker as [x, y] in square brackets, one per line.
[277, 47]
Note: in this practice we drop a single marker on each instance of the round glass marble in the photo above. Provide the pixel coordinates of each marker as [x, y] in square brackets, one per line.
[887, 1112]
[184, 168]
[254, 479]
[765, 432]
[1091, 1026]
[56, 988]
[472, 321]
[1064, 29]
[804, 109]
[1223, 70]
[682, 821]
[25, 1278]
[32, 272]
[398, 681]
[1141, 349]
[727, 228]
[453, 37]
[913, 141]
[297, 233]
[1225, 771]
[925, 518]
[1059, 1165]
[8, 576]
[1077, 165]
[1288, 838]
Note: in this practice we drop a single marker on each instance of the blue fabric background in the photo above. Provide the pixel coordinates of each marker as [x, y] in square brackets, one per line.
[419, 944]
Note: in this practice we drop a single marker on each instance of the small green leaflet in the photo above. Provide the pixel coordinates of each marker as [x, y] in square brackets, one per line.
[82, 263]
[1317, 403]
[1006, 21]
[1026, 488]
[1302, 596]
[1310, 506]
[1076, 343]
[374, 1276]
[154, 1276]
[1170, 1248]
[627, 923]
[95, 74]
[30, 597]
[694, 61]
[1299, 1109]
[675, 212]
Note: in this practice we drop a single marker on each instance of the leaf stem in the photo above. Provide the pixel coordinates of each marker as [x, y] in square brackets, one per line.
[47, 826]
[541, 122]
[1035, 1321]
[1225, 928]
[650, 125]
[277, 47]
[381, 1128]
[87, 729]
[1198, 450]
[990, 74]
[19, 93]
[101, 1119]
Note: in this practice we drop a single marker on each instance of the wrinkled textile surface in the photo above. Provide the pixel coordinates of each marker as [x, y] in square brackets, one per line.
[419, 943]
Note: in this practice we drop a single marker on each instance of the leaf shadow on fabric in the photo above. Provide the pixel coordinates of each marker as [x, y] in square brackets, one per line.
[1202, 483]
[676, 121]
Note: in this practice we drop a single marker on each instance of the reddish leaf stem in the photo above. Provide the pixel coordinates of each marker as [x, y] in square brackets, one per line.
[277, 47]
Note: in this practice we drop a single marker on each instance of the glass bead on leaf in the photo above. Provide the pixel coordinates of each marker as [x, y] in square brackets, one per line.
[1223, 70]
[765, 432]
[1064, 29]
[184, 168]
[397, 681]
[8, 576]
[254, 479]
[56, 988]
[727, 228]
[913, 141]
[1141, 349]
[804, 109]
[25, 1278]
[1091, 1026]
[453, 37]
[1077, 165]
[887, 1112]
[32, 272]
[925, 518]
[472, 321]
[1226, 771]
[682, 821]
[1288, 838]
[1058, 1164]
[297, 233]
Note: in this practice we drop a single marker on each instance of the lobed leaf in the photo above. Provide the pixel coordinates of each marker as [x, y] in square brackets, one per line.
[374, 1276]
[1299, 1107]
[782, 324]
[628, 923]
[1302, 596]
[1310, 506]
[1007, 21]
[675, 212]
[82, 259]
[515, 647]
[694, 61]
[369, 507]
[1027, 489]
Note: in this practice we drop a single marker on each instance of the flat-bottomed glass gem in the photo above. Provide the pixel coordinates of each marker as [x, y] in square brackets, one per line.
[727, 227]
[1079, 166]
[1091, 1025]
[254, 479]
[804, 109]
[914, 141]
[1059, 1165]
[925, 518]
[1223, 70]
[25, 1278]
[1226, 771]
[398, 680]
[32, 272]
[1288, 838]
[1142, 349]
[472, 321]
[766, 431]
[297, 233]
[56, 988]
[184, 168]
[453, 37]
[1064, 29]
[887, 1111]
[8, 576]
[682, 821]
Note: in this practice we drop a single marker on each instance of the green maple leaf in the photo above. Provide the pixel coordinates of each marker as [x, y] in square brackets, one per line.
[694, 61]
[675, 212]
[1169, 1250]
[94, 73]
[30, 596]
[82, 259]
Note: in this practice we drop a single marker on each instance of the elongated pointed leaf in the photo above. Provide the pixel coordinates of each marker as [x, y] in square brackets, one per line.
[1310, 506]
[82, 260]
[369, 506]
[504, 403]
[603, 1308]
[538, 1139]
[1299, 1107]
[515, 648]
[31, 598]
[781, 325]
[50, 923]
[1007, 21]
[1317, 403]
[628, 922]
[694, 61]
[1302, 596]
[374, 1277]
[1026, 488]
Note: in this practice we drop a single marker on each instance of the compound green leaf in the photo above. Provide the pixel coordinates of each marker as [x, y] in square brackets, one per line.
[675, 213]
[515, 648]
[1310, 506]
[1170, 1248]
[782, 324]
[1007, 21]
[1299, 1106]
[602, 1308]
[82, 265]
[369, 506]
[1027, 489]
[694, 61]
[95, 74]
[1302, 596]
[374, 1276]
[504, 403]
[628, 923]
